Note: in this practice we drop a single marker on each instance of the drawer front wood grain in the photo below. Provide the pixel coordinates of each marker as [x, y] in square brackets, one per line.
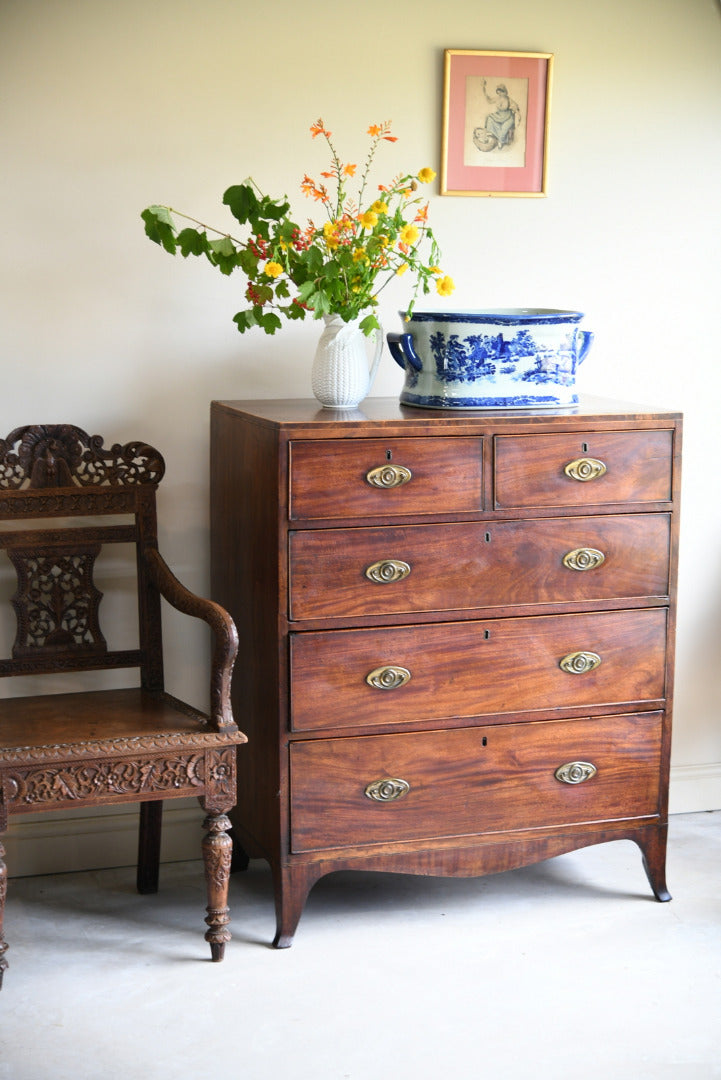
[471, 781]
[477, 564]
[342, 478]
[474, 668]
[538, 470]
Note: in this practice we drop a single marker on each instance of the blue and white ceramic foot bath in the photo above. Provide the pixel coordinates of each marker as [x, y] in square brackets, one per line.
[510, 358]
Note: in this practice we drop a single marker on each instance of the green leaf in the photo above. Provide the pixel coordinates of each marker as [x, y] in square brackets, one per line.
[369, 323]
[244, 320]
[248, 262]
[159, 227]
[281, 290]
[242, 201]
[270, 322]
[222, 254]
[273, 209]
[264, 293]
[192, 242]
[305, 291]
[320, 304]
[294, 311]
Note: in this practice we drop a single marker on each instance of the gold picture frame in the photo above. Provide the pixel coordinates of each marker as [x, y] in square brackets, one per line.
[496, 108]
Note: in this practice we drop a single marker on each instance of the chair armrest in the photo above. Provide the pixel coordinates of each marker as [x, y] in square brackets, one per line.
[225, 636]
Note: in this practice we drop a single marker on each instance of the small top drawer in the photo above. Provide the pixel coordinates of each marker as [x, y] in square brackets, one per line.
[344, 478]
[587, 468]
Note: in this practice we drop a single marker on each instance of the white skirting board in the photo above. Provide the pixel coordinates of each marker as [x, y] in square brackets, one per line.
[97, 839]
[100, 839]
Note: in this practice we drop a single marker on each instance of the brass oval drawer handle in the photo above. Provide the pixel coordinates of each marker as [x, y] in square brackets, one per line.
[575, 772]
[578, 663]
[387, 790]
[585, 468]
[389, 677]
[388, 476]
[583, 559]
[387, 571]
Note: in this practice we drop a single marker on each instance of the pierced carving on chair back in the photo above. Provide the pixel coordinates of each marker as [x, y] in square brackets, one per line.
[62, 455]
[56, 602]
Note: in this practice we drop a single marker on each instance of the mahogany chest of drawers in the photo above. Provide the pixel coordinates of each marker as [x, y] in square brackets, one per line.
[456, 634]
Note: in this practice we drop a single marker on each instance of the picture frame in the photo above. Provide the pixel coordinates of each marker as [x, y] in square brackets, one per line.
[496, 108]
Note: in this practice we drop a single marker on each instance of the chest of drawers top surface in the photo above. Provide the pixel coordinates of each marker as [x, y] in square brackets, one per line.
[306, 415]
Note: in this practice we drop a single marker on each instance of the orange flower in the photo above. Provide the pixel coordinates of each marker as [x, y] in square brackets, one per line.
[318, 128]
[349, 170]
[380, 131]
[310, 188]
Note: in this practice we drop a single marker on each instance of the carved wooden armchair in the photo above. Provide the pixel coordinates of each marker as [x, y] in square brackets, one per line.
[105, 747]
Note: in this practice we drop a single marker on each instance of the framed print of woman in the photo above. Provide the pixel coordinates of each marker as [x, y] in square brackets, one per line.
[496, 112]
[496, 108]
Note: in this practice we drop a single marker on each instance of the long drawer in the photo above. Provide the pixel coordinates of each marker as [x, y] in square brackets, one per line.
[342, 478]
[571, 468]
[416, 786]
[396, 569]
[402, 675]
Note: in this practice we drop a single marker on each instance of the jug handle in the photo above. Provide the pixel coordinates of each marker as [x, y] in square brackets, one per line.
[586, 337]
[401, 348]
[377, 357]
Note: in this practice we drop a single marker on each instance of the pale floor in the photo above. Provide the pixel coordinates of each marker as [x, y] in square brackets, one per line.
[565, 969]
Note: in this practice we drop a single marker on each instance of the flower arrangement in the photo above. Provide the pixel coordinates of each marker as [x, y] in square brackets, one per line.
[338, 267]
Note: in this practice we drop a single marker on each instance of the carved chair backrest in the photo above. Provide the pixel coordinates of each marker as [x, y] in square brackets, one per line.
[59, 475]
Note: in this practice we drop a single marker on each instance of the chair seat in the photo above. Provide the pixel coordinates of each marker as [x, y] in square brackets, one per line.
[101, 723]
[108, 746]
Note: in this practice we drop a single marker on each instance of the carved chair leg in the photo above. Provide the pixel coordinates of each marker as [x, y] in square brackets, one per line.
[217, 853]
[3, 894]
[151, 820]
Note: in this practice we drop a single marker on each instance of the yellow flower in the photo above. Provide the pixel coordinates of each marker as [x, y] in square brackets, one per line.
[445, 286]
[379, 207]
[330, 233]
[368, 220]
[409, 234]
[426, 175]
[402, 269]
[273, 269]
[435, 270]
[359, 255]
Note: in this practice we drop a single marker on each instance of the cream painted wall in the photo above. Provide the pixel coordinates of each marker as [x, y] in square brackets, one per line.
[106, 107]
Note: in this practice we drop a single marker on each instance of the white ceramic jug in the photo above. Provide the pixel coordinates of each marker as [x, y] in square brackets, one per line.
[342, 374]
